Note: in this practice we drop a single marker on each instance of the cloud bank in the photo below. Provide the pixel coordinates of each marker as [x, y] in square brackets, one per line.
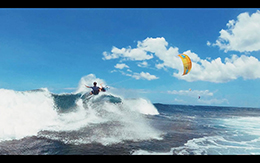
[164, 57]
[192, 93]
[217, 71]
[241, 35]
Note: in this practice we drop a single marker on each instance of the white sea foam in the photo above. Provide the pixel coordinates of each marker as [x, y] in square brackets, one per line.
[141, 105]
[33, 113]
[108, 123]
[25, 113]
[88, 80]
[242, 136]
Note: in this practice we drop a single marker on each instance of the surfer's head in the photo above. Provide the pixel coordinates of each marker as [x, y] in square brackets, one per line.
[95, 83]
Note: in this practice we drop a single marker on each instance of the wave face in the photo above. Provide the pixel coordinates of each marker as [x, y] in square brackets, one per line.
[72, 119]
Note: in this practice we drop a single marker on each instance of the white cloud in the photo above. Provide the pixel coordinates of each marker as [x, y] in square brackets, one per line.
[213, 101]
[146, 50]
[158, 47]
[211, 70]
[142, 64]
[121, 66]
[242, 35]
[109, 56]
[218, 72]
[192, 93]
[144, 75]
[179, 100]
[204, 96]
[128, 54]
[141, 75]
[153, 45]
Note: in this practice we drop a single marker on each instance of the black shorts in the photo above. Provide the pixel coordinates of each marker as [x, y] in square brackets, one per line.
[95, 92]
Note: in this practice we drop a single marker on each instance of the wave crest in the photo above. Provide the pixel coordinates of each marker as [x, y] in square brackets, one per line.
[64, 117]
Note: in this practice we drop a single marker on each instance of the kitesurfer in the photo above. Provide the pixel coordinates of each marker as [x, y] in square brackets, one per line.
[95, 89]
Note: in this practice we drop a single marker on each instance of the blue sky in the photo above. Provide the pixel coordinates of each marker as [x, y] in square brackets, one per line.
[135, 51]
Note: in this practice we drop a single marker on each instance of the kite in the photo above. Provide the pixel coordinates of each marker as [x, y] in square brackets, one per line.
[186, 63]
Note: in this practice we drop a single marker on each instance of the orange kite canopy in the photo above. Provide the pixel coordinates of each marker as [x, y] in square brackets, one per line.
[186, 63]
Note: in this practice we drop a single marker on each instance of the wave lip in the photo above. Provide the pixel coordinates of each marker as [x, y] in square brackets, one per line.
[142, 106]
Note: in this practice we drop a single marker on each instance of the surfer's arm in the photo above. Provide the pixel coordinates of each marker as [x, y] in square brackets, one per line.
[100, 88]
[87, 86]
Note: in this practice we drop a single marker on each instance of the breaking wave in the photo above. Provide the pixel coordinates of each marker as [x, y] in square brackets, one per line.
[70, 118]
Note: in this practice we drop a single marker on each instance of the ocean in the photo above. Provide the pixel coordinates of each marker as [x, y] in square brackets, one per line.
[39, 122]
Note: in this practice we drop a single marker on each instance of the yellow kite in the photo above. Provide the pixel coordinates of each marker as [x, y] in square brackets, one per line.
[186, 63]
